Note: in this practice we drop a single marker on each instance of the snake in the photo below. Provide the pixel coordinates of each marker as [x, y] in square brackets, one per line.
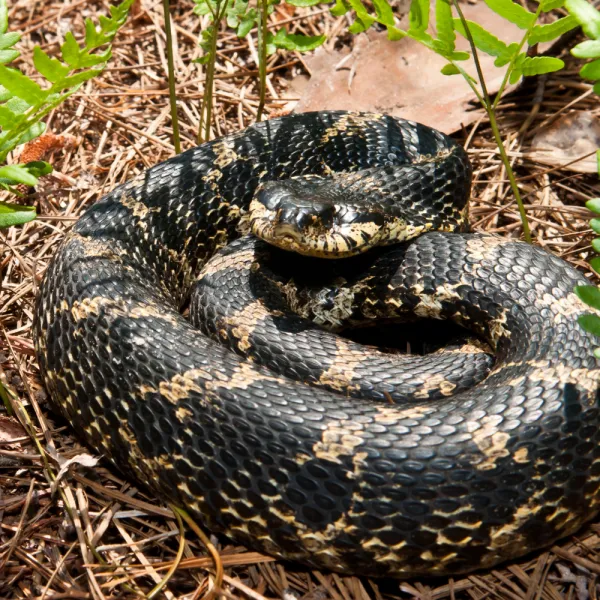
[332, 477]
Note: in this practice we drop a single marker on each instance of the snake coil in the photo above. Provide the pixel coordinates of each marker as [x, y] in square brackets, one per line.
[333, 481]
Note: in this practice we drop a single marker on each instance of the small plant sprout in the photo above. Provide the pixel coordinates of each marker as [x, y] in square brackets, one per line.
[24, 102]
[589, 19]
[243, 18]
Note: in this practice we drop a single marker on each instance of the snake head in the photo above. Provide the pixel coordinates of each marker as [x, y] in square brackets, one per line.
[309, 217]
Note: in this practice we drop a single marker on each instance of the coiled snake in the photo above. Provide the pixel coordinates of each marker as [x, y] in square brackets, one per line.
[334, 480]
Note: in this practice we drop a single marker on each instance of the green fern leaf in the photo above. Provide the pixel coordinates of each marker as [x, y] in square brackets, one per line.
[70, 51]
[590, 323]
[444, 24]
[21, 86]
[590, 294]
[3, 16]
[483, 39]
[418, 15]
[551, 31]
[51, 68]
[385, 14]
[341, 8]
[505, 57]
[587, 16]
[539, 65]
[301, 43]
[91, 35]
[14, 214]
[593, 205]
[591, 70]
[17, 174]
[513, 12]
[450, 70]
[587, 49]
[8, 119]
[548, 5]
[7, 40]
[75, 80]
[423, 37]
[7, 56]
[394, 34]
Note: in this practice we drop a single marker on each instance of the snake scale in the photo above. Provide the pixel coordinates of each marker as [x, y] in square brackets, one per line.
[335, 481]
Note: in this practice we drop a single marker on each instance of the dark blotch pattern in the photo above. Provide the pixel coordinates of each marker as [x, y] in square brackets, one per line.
[338, 483]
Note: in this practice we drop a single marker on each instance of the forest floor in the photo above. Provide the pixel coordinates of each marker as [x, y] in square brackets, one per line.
[94, 535]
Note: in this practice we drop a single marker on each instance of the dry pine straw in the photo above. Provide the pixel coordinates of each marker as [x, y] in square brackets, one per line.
[93, 535]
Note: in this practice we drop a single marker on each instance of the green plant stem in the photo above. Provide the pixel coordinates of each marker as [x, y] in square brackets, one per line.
[489, 109]
[262, 55]
[207, 97]
[171, 69]
[511, 64]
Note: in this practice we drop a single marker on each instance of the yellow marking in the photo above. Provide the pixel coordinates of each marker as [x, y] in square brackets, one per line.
[340, 374]
[433, 383]
[244, 322]
[520, 456]
[225, 153]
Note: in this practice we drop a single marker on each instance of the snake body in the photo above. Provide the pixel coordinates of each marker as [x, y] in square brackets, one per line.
[333, 481]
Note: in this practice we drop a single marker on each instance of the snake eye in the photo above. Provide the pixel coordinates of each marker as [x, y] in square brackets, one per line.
[272, 195]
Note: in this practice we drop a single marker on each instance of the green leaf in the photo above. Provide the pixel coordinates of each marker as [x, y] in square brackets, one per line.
[595, 225]
[385, 14]
[444, 24]
[551, 31]
[591, 70]
[505, 57]
[361, 24]
[17, 174]
[394, 34]
[7, 40]
[3, 16]
[247, 22]
[596, 244]
[538, 65]
[7, 56]
[21, 86]
[597, 92]
[39, 168]
[450, 70]
[341, 8]
[589, 294]
[587, 49]
[515, 75]
[513, 12]
[91, 60]
[70, 50]
[423, 37]
[595, 263]
[591, 324]
[418, 16]
[75, 80]
[363, 19]
[15, 214]
[91, 35]
[51, 68]
[587, 16]
[483, 39]
[548, 5]
[8, 119]
[303, 3]
[301, 43]
[593, 205]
